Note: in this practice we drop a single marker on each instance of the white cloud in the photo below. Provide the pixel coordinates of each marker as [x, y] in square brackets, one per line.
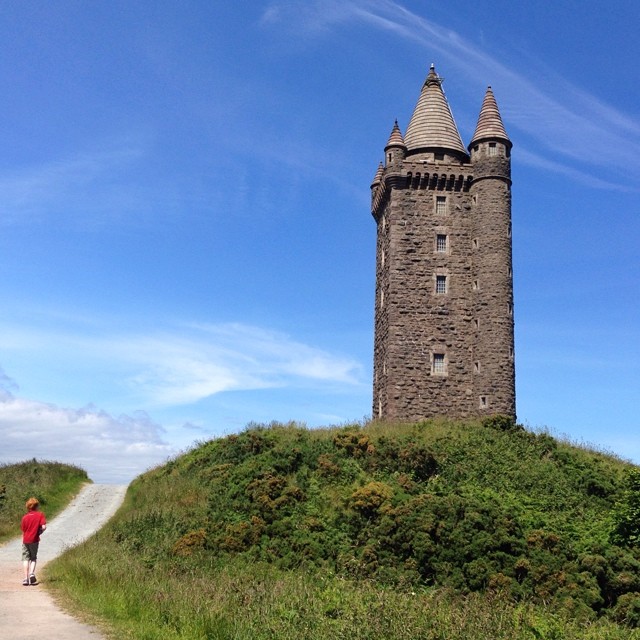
[203, 360]
[308, 17]
[111, 449]
[144, 369]
[83, 183]
[557, 114]
[539, 109]
[183, 364]
[98, 187]
[542, 162]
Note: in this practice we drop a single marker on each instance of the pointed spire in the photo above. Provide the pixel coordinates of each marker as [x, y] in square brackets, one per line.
[378, 177]
[432, 123]
[395, 139]
[489, 121]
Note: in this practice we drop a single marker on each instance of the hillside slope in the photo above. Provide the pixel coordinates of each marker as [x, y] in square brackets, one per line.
[53, 483]
[469, 508]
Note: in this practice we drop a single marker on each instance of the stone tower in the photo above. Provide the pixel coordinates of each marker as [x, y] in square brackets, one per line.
[444, 341]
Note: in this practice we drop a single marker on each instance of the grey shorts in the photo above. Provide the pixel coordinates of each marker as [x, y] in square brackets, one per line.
[30, 551]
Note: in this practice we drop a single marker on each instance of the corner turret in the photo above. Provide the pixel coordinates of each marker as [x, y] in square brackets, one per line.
[396, 150]
[378, 177]
[490, 139]
[490, 192]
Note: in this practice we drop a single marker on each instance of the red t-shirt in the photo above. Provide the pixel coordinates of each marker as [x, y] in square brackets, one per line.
[31, 524]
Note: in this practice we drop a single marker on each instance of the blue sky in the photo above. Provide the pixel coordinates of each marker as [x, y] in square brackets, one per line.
[186, 243]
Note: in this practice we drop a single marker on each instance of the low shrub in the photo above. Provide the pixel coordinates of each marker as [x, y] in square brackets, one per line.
[478, 510]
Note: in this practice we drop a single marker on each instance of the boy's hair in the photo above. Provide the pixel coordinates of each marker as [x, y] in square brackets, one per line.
[31, 504]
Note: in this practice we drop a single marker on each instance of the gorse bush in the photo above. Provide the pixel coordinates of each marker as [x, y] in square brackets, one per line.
[473, 508]
[485, 508]
[626, 513]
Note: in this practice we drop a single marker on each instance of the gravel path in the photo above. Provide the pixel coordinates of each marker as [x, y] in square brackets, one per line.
[28, 613]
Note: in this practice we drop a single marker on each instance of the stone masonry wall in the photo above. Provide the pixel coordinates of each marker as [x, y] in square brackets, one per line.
[471, 324]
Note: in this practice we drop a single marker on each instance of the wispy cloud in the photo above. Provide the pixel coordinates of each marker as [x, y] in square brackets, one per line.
[309, 17]
[211, 359]
[188, 363]
[68, 185]
[541, 162]
[114, 182]
[541, 109]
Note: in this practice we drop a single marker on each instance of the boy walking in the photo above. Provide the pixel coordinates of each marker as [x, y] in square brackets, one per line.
[33, 524]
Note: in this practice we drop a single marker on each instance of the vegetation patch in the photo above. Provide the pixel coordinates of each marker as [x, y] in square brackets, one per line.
[53, 483]
[370, 531]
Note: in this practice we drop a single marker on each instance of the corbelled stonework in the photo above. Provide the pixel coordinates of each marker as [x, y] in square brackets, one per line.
[444, 341]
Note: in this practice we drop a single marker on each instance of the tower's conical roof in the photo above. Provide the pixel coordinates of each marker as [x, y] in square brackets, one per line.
[378, 177]
[489, 121]
[432, 123]
[396, 139]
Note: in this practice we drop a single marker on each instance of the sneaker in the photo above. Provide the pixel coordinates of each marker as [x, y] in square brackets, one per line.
[32, 578]
[25, 582]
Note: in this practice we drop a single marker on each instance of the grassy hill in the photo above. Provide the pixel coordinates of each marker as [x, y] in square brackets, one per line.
[53, 483]
[438, 530]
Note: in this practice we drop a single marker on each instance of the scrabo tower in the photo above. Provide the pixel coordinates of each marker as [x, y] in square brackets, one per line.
[444, 341]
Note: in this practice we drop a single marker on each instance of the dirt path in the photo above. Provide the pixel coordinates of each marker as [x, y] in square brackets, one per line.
[28, 613]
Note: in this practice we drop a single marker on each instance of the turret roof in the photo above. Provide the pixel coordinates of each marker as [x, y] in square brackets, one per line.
[432, 123]
[489, 121]
[395, 139]
[378, 177]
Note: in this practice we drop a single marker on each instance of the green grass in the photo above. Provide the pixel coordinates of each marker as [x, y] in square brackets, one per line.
[53, 483]
[259, 602]
[438, 530]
